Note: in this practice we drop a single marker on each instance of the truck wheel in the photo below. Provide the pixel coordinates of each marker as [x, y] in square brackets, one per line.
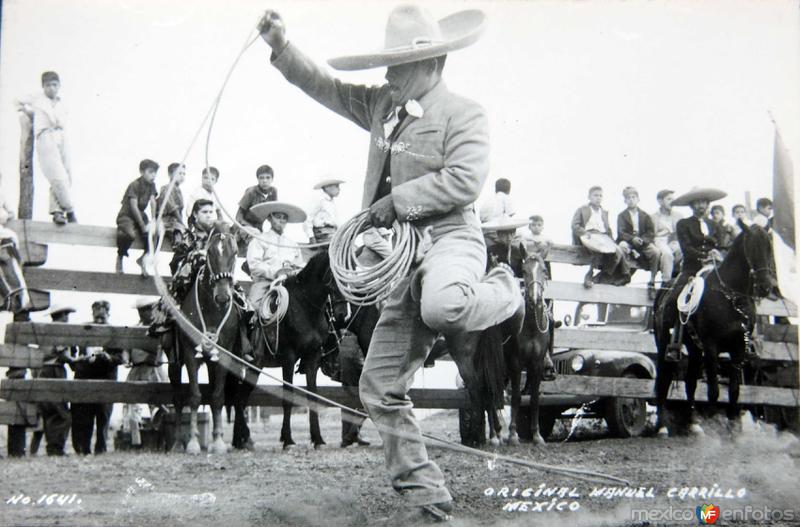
[626, 417]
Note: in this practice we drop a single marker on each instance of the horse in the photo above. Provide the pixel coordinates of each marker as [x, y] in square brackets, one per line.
[724, 320]
[301, 336]
[12, 281]
[524, 346]
[210, 307]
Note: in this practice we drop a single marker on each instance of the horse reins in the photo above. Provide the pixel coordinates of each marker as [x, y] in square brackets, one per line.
[209, 337]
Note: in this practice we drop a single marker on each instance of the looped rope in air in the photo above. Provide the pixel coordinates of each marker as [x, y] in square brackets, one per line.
[364, 286]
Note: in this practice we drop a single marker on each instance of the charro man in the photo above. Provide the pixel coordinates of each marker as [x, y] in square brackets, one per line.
[428, 160]
[698, 237]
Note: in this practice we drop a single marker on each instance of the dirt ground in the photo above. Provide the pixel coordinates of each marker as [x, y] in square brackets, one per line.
[348, 487]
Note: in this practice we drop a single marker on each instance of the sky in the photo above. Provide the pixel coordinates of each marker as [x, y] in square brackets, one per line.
[651, 94]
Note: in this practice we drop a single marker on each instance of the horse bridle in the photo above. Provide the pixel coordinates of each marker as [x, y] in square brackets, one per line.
[542, 327]
[212, 336]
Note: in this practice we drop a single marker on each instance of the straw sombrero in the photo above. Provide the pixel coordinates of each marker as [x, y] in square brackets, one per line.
[263, 210]
[711, 194]
[503, 224]
[329, 181]
[412, 34]
[599, 242]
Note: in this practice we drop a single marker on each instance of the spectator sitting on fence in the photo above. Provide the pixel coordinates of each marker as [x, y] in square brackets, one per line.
[763, 215]
[94, 363]
[144, 366]
[590, 229]
[323, 219]
[132, 219]
[263, 192]
[209, 178]
[56, 418]
[726, 231]
[739, 212]
[49, 115]
[171, 210]
[635, 233]
[665, 221]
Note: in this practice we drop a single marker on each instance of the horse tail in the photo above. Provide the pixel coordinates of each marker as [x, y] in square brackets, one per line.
[490, 364]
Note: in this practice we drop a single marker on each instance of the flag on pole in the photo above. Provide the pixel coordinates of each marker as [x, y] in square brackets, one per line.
[783, 192]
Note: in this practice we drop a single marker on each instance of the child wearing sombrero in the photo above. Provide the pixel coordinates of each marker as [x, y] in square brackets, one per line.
[323, 218]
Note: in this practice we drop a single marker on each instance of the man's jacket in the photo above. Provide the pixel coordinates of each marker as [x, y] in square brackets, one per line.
[580, 219]
[625, 232]
[694, 244]
[438, 161]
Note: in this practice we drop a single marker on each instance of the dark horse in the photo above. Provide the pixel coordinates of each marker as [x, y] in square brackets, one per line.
[525, 347]
[209, 306]
[724, 321]
[301, 337]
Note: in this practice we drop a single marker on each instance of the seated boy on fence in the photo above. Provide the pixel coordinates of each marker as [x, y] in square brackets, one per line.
[590, 229]
[172, 210]
[263, 192]
[635, 234]
[132, 220]
[209, 178]
[538, 243]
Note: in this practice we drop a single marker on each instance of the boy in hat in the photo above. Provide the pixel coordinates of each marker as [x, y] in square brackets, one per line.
[428, 160]
[56, 418]
[263, 192]
[94, 363]
[171, 209]
[323, 219]
[49, 120]
[132, 220]
[590, 229]
[205, 191]
[273, 253]
[635, 234]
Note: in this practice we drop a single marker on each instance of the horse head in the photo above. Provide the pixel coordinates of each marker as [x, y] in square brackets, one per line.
[535, 275]
[12, 286]
[220, 262]
[756, 246]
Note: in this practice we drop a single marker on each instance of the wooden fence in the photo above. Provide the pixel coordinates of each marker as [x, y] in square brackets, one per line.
[780, 341]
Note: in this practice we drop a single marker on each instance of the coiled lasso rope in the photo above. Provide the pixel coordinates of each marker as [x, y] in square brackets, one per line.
[279, 295]
[364, 286]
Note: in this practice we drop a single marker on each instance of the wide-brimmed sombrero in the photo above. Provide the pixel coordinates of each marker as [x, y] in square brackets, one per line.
[263, 210]
[143, 302]
[504, 223]
[60, 308]
[711, 194]
[412, 34]
[328, 181]
[599, 242]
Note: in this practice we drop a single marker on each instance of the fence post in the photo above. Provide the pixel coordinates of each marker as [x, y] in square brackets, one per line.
[25, 210]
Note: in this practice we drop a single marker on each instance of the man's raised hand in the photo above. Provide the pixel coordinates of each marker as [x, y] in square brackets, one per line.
[272, 30]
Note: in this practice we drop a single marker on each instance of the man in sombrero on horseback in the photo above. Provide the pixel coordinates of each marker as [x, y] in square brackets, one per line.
[428, 160]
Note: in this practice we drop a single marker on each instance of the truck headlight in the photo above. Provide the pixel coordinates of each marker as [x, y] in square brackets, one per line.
[577, 363]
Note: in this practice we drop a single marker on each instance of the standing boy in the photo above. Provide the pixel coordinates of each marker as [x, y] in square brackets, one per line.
[132, 220]
[48, 114]
[323, 218]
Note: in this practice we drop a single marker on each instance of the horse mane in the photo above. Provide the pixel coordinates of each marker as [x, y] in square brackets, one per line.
[313, 272]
